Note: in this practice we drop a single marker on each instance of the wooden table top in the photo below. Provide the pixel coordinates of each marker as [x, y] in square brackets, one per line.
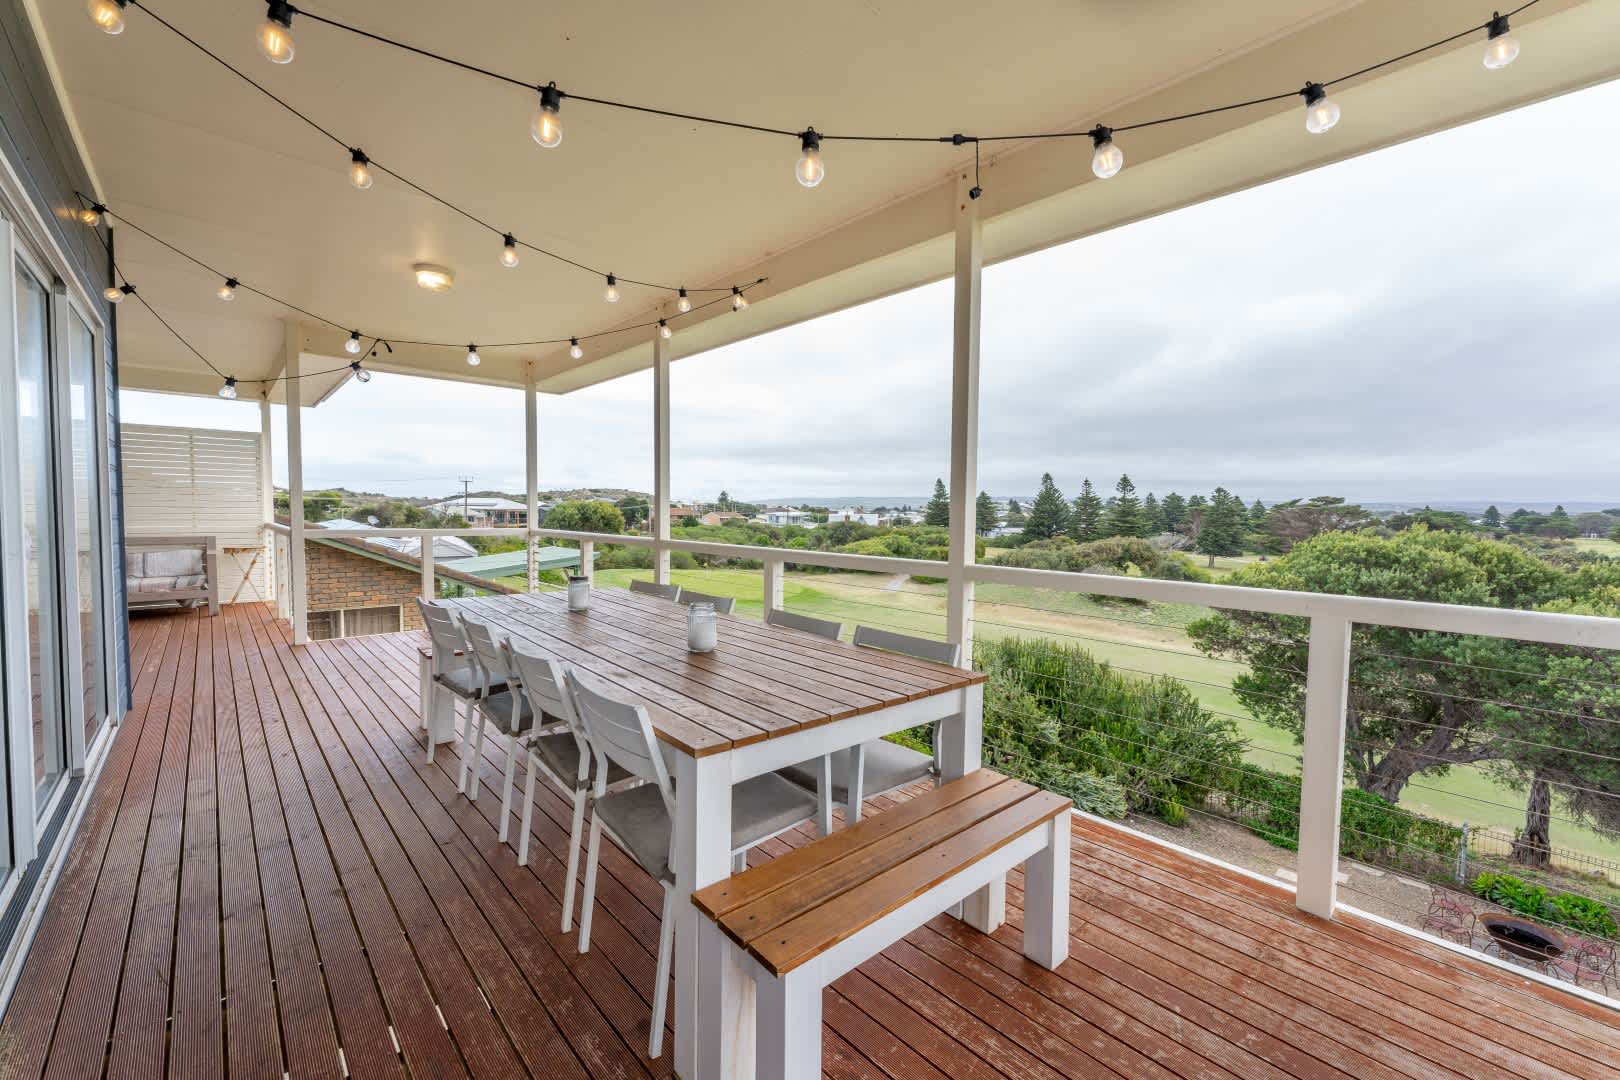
[761, 681]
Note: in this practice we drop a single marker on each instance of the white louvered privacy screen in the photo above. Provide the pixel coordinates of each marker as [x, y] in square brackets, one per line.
[180, 481]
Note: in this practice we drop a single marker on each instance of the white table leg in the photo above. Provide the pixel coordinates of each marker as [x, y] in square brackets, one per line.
[714, 995]
[961, 740]
[1046, 898]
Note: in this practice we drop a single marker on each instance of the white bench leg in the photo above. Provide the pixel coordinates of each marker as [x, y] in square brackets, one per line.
[788, 1035]
[1046, 897]
[824, 795]
[856, 783]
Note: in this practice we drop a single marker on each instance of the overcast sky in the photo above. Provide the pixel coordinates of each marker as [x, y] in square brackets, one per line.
[1436, 321]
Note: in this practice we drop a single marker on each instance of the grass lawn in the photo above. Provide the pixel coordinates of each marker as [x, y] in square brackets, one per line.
[1600, 547]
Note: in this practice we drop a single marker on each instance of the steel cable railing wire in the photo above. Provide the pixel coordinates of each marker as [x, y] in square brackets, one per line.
[1538, 676]
[1512, 706]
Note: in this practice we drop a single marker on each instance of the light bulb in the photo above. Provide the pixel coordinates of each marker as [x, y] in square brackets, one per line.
[227, 291]
[108, 14]
[664, 331]
[1106, 157]
[738, 300]
[611, 293]
[1320, 113]
[434, 278]
[684, 304]
[91, 215]
[360, 373]
[473, 359]
[113, 294]
[546, 127]
[809, 170]
[574, 350]
[1501, 47]
[509, 252]
[359, 169]
[228, 391]
[352, 346]
[275, 33]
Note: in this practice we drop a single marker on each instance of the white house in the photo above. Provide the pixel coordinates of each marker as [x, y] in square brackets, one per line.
[784, 515]
[860, 517]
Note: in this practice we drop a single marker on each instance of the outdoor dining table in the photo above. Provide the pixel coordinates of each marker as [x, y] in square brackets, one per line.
[765, 698]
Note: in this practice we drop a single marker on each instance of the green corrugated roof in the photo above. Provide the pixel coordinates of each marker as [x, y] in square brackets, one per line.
[514, 563]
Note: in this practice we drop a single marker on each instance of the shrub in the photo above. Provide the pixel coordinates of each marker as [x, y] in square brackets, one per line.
[1579, 913]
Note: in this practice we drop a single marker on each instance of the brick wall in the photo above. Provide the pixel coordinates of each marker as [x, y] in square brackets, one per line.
[347, 579]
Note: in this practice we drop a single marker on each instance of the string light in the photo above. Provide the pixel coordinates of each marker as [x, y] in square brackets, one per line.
[1320, 113]
[684, 303]
[91, 215]
[115, 294]
[434, 278]
[228, 391]
[738, 300]
[1106, 157]
[359, 169]
[810, 170]
[1501, 47]
[360, 373]
[275, 33]
[227, 291]
[664, 331]
[352, 346]
[611, 293]
[574, 350]
[108, 15]
[509, 253]
[546, 127]
[473, 359]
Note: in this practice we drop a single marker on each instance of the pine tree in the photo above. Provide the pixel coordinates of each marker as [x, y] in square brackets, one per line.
[1153, 514]
[1174, 509]
[1015, 513]
[1125, 516]
[1492, 518]
[723, 502]
[1048, 514]
[1257, 516]
[1085, 519]
[939, 507]
[1223, 526]
[986, 514]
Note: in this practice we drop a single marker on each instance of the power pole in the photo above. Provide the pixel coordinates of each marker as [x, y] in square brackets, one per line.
[466, 498]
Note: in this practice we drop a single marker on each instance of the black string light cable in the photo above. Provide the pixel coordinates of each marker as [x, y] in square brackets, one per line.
[275, 43]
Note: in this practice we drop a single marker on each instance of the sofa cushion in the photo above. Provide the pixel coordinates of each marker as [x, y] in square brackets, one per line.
[174, 563]
[151, 584]
[134, 564]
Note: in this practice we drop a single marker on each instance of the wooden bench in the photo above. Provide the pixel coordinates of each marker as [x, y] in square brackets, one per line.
[808, 916]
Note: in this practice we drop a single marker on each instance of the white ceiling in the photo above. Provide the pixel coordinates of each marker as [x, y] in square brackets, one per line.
[203, 160]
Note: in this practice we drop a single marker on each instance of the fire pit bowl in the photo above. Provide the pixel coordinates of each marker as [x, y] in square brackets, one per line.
[1523, 938]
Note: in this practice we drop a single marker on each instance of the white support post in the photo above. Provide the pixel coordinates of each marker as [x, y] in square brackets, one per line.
[267, 496]
[430, 583]
[1321, 781]
[773, 585]
[963, 550]
[659, 511]
[587, 560]
[531, 458]
[293, 346]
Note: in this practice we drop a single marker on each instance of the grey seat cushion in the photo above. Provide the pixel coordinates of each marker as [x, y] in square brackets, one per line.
[888, 766]
[760, 807]
[498, 706]
[460, 680]
[151, 584]
[560, 754]
[178, 563]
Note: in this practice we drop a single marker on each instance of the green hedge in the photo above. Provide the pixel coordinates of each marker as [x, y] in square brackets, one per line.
[1569, 910]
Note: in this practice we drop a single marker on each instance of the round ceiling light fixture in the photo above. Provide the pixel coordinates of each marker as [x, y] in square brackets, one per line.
[434, 278]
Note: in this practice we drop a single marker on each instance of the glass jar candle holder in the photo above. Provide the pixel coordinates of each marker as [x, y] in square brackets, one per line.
[579, 592]
[702, 628]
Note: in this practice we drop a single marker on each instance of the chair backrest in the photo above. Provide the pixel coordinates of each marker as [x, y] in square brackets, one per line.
[545, 684]
[722, 604]
[940, 652]
[487, 651]
[620, 733]
[652, 588]
[827, 628]
[444, 630]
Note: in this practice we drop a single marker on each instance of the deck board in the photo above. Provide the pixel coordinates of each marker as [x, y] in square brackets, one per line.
[270, 878]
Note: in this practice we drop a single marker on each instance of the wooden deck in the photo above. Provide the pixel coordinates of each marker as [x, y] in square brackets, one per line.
[270, 879]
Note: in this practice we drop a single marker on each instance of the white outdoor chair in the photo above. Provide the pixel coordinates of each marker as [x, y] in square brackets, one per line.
[453, 666]
[508, 706]
[827, 628]
[652, 588]
[722, 604]
[558, 749]
[640, 819]
[849, 777]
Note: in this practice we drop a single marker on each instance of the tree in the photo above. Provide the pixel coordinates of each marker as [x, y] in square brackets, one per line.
[1297, 520]
[938, 511]
[1615, 534]
[1015, 514]
[633, 507]
[1048, 514]
[986, 516]
[1224, 524]
[1174, 509]
[724, 501]
[1492, 518]
[580, 515]
[1153, 515]
[1418, 702]
[1257, 516]
[1085, 517]
[1125, 518]
[1560, 525]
